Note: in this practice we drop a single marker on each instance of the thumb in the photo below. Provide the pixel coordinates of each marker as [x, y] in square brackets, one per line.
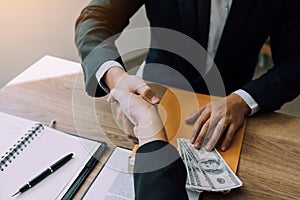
[147, 93]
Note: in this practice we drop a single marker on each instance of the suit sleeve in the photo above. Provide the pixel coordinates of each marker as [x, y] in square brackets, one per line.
[159, 172]
[281, 83]
[95, 34]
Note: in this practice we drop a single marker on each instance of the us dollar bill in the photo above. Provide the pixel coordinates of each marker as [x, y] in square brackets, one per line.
[207, 170]
[182, 155]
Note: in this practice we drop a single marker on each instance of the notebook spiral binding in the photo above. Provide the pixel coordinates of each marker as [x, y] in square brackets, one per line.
[22, 143]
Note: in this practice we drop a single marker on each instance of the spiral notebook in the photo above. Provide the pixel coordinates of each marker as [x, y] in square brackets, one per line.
[27, 148]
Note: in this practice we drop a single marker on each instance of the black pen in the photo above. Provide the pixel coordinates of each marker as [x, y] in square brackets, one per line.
[45, 173]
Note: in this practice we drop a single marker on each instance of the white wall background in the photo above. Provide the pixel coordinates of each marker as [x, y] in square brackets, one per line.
[31, 29]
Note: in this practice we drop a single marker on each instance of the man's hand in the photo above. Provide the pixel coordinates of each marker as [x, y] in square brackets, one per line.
[119, 79]
[222, 116]
[116, 78]
[143, 115]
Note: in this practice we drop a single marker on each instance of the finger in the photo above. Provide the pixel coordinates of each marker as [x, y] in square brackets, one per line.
[118, 95]
[118, 115]
[191, 119]
[147, 93]
[123, 97]
[229, 136]
[203, 118]
[121, 120]
[201, 136]
[124, 124]
[128, 126]
[110, 98]
[217, 132]
[133, 139]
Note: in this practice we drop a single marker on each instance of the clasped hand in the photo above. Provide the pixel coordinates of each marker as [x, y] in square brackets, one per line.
[144, 117]
[135, 112]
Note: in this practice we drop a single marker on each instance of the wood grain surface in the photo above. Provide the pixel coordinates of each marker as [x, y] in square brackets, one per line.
[269, 164]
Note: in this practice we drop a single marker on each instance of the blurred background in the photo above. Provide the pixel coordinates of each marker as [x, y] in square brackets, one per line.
[31, 29]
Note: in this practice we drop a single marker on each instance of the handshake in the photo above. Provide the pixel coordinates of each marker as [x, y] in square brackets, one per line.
[144, 123]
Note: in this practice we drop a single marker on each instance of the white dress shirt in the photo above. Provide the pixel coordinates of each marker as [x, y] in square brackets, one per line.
[219, 13]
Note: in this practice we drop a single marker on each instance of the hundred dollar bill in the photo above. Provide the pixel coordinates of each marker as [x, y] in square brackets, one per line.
[195, 173]
[211, 168]
[192, 191]
[191, 184]
[200, 181]
[182, 155]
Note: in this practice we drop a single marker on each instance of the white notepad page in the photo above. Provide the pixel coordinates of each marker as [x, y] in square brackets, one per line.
[49, 146]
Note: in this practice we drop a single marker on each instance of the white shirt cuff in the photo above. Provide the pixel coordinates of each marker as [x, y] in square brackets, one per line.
[249, 100]
[103, 69]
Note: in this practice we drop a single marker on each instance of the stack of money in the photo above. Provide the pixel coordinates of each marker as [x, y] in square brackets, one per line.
[207, 171]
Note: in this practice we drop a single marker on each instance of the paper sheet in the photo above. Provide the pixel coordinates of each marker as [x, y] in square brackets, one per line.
[113, 182]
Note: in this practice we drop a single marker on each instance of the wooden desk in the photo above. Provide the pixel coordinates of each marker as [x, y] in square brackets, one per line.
[269, 165]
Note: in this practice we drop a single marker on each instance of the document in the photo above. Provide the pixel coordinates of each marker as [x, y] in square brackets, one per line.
[114, 182]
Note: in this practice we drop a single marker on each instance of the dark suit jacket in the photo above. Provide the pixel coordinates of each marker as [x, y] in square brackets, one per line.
[249, 24]
[159, 173]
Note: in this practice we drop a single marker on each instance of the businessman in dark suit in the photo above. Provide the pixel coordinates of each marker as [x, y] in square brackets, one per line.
[232, 31]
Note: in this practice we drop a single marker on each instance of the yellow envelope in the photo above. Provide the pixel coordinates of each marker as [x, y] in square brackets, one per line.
[176, 105]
